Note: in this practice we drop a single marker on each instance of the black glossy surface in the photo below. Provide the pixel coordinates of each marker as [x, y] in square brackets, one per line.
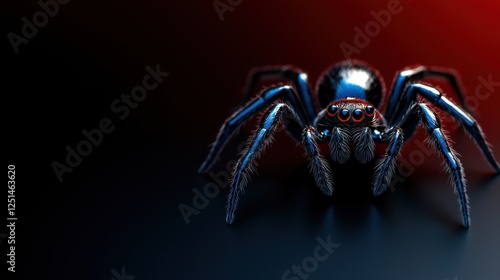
[120, 207]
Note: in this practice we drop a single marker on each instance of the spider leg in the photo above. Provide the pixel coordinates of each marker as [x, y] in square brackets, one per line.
[409, 76]
[259, 140]
[386, 165]
[317, 164]
[438, 99]
[230, 126]
[432, 125]
[297, 77]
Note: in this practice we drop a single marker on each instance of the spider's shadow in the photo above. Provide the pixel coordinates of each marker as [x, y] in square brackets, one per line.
[352, 200]
[351, 203]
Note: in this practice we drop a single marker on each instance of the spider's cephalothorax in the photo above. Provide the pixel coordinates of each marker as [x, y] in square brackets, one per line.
[350, 94]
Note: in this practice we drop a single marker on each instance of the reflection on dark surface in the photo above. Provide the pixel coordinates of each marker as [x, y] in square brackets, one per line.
[120, 207]
[411, 233]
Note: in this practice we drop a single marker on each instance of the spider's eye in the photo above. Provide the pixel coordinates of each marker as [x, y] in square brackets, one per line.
[357, 115]
[369, 111]
[344, 115]
[332, 110]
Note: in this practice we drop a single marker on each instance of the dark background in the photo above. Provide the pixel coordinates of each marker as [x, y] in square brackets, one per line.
[119, 207]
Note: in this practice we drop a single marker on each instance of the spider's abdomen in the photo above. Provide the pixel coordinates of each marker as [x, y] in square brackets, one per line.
[350, 79]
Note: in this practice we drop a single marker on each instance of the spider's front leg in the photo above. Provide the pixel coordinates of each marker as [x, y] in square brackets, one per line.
[231, 125]
[387, 164]
[260, 139]
[430, 121]
[318, 166]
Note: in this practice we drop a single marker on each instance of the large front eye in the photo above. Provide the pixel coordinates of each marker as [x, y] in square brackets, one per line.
[357, 115]
[332, 110]
[344, 115]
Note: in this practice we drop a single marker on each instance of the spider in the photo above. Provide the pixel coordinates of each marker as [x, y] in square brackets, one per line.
[350, 93]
